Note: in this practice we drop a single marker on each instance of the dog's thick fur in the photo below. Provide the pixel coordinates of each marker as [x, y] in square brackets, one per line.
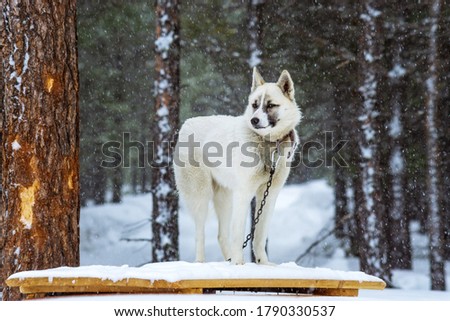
[271, 115]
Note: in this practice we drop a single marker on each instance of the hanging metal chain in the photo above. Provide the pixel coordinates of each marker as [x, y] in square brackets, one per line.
[273, 165]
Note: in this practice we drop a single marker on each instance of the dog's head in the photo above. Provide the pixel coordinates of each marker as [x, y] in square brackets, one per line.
[272, 111]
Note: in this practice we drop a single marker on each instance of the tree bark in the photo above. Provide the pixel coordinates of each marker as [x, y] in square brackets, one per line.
[98, 181]
[3, 35]
[41, 138]
[435, 221]
[373, 251]
[343, 101]
[398, 235]
[254, 31]
[444, 129]
[166, 123]
[117, 184]
[144, 159]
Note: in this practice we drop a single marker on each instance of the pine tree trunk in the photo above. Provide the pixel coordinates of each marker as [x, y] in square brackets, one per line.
[444, 129]
[144, 188]
[134, 179]
[117, 182]
[353, 227]
[346, 99]
[166, 123]
[144, 159]
[2, 233]
[340, 196]
[254, 30]
[435, 222]
[40, 165]
[98, 181]
[398, 235]
[370, 208]
[342, 175]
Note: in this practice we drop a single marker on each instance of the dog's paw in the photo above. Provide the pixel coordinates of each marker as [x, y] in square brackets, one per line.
[237, 261]
[200, 259]
[265, 262]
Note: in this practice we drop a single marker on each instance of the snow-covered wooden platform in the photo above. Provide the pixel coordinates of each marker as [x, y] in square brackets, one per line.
[183, 277]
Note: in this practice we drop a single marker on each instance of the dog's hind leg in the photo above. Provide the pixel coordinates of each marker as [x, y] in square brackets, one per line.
[197, 205]
[200, 219]
[195, 187]
[223, 198]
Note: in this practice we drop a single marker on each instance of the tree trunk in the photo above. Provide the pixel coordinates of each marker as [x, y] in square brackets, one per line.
[342, 175]
[400, 252]
[444, 129]
[2, 233]
[40, 165]
[355, 234]
[144, 159]
[117, 182]
[98, 181]
[370, 208]
[254, 30]
[134, 179]
[435, 222]
[345, 114]
[166, 123]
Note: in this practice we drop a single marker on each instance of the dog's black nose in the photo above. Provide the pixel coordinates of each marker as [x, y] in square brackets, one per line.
[254, 121]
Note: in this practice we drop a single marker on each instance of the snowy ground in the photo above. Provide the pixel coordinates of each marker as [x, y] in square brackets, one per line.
[302, 213]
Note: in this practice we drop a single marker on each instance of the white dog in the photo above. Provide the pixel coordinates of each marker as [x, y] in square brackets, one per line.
[228, 160]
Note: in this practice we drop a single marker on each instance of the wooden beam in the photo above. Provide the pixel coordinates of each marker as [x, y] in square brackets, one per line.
[38, 286]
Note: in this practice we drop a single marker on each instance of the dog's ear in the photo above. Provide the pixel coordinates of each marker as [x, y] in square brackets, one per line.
[257, 79]
[286, 84]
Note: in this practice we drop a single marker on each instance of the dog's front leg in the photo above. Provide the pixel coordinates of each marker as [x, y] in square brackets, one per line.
[261, 229]
[241, 207]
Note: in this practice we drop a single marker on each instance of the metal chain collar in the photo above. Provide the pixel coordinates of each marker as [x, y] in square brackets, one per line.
[274, 163]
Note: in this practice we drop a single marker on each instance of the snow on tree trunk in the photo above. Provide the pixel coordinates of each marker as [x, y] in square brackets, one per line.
[398, 227]
[435, 221]
[40, 137]
[166, 123]
[373, 252]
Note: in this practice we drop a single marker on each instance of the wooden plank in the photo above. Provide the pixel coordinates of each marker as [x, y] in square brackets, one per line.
[205, 283]
[39, 286]
[31, 296]
[42, 289]
[70, 280]
[336, 292]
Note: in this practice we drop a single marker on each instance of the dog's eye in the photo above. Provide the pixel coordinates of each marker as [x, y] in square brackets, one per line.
[270, 105]
[255, 105]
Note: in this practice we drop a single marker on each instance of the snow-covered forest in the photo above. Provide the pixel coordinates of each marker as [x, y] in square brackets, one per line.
[372, 79]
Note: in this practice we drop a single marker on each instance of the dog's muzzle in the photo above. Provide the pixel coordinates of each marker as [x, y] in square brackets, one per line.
[256, 123]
